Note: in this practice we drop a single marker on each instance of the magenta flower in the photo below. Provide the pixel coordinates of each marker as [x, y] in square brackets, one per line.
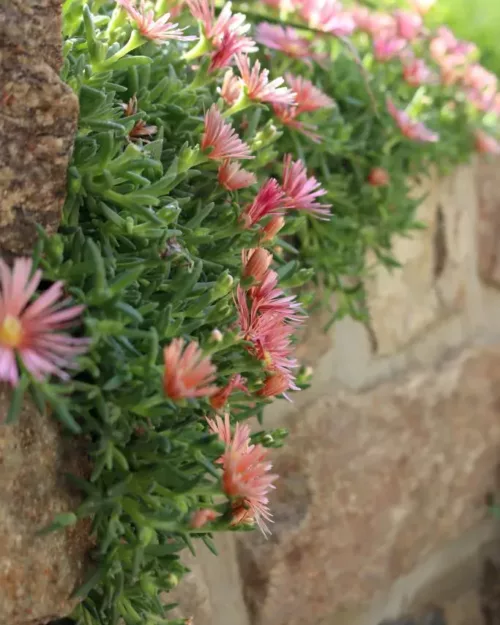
[268, 201]
[416, 131]
[308, 97]
[221, 137]
[285, 39]
[157, 30]
[257, 84]
[232, 177]
[385, 49]
[301, 192]
[187, 372]
[32, 331]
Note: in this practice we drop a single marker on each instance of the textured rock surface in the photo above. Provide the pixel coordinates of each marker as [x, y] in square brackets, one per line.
[38, 116]
[488, 224]
[37, 574]
[371, 485]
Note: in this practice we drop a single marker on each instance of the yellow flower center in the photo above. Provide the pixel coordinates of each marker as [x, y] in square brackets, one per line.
[11, 332]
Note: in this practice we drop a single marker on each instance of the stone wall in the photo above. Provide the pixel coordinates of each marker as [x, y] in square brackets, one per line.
[381, 506]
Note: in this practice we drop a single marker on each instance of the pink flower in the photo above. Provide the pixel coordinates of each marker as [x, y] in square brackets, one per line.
[222, 138]
[409, 25]
[231, 44]
[219, 400]
[479, 78]
[387, 49]
[268, 298]
[32, 331]
[157, 30]
[232, 177]
[246, 479]
[382, 26]
[416, 73]
[416, 131]
[256, 262]
[258, 86]
[271, 229]
[288, 117]
[378, 177]
[328, 16]
[308, 97]
[275, 384]
[445, 43]
[486, 144]
[285, 39]
[301, 192]
[202, 517]
[268, 201]
[362, 18]
[187, 372]
[231, 88]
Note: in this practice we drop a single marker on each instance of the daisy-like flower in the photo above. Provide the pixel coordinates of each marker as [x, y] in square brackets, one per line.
[221, 137]
[301, 192]
[268, 201]
[285, 39]
[328, 16]
[287, 115]
[157, 30]
[308, 98]
[416, 72]
[187, 372]
[220, 399]
[230, 46]
[258, 88]
[32, 331]
[486, 144]
[378, 177]
[409, 25]
[385, 49]
[232, 177]
[416, 131]
[255, 263]
[231, 88]
[269, 298]
[140, 129]
[246, 476]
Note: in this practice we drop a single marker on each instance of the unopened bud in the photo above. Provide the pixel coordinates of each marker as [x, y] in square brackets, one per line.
[202, 517]
[256, 263]
[217, 336]
[275, 384]
[379, 177]
[271, 229]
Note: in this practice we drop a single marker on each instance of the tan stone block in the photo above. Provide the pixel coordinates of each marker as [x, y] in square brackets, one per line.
[488, 222]
[371, 484]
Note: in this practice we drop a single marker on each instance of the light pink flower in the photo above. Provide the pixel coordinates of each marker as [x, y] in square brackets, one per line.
[416, 131]
[268, 201]
[271, 229]
[157, 30]
[378, 177]
[416, 72]
[32, 331]
[486, 144]
[301, 192]
[288, 117]
[382, 26]
[222, 138]
[308, 97]
[362, 18]
[445, 43]
[285, 39]
[232, 177]
[220, 399]
[246, 476]
[385, 49]
[231, 44]
[231, 88]
[255, 263]
[409, 25]
[257, 84]
[187, 372]
[328, 16]
[479, 78]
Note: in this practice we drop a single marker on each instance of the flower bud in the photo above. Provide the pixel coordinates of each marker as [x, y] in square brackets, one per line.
[379, 177]
[217, 336]
[271, 229]
[256, 263]
[275, 384]
[202, 517]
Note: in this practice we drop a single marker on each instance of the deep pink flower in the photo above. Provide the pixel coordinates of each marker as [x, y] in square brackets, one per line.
[385, 49]
[222, 138]
[409, 25]
[378, 177]
[257, 84]
[187, 372]
[246, 476]
[268, 201]
[416, 72]
[328, 16]
[232, 177]
[288, 117]
[31, 331]
[302, 192]
[219, 400]
[285, 39]
[157, 30]
[255, 263]
[416, 131]
[231, 88]
[486, 144]
[308, 97]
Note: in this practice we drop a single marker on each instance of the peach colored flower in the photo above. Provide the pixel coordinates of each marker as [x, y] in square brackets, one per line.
[486, 144]
[268, 201]
[232, 177]
[271, 229]
[275, 384]
[285, 39]
[257, 85]
[308, 97]
[31, 331]
[379, 177]
[416, 131]
[246, 476]
[255, 263]
[221, 137]
[302, 192]
[202, 517]
[219, 400]
[157, 30]
[187, 372]
[231, 88]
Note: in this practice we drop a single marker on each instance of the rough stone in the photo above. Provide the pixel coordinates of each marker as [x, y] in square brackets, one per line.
[488, 222]
[38, 574]
[373, 483]
[432, 284]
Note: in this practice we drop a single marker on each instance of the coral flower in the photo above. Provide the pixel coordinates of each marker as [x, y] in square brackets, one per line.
[302, 192]
[409, 25]
[308, 97]
[157, 30]
[32, 331]
[257, 84]
[486, 144]
[202, 517]
[256, 262]
[271, 229]
[385, 49]
[221, 137]
[287, 115]
[416, 72]
[378, 177]
[268, 201]
[187, 372]
[219, 400]
[246, 476]
[268, 298]
[275, 384]
[416, 131]
[232, 177]
[231, 88]
[285, 39]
